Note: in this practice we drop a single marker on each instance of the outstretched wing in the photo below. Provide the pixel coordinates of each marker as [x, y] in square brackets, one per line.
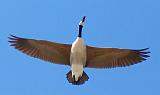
[45, 50]
[114, 57]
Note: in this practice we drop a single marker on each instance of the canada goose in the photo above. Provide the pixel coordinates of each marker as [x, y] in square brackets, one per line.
[78, 55]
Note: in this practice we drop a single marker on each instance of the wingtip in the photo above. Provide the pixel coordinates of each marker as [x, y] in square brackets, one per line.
[14, 36]
[144, 53]
[144, 49]
[145, 56]
[13, 39]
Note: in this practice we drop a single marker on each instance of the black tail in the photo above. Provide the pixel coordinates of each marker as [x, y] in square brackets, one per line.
[80, 81]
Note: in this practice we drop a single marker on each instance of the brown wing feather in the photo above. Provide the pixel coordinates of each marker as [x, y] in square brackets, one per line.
[114, 57]
[45, 50]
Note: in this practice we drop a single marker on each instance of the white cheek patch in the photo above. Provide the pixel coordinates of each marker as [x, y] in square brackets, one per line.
[81, 23]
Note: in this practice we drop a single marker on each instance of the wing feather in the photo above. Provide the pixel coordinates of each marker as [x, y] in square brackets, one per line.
[114, 57]
[45, 50]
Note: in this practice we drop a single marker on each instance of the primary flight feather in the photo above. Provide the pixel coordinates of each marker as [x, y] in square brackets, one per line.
[78, 55]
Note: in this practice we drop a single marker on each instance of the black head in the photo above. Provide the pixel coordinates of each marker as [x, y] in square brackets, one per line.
[81, 24]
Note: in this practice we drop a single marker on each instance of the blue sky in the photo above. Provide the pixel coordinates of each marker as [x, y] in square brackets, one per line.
[109, 23]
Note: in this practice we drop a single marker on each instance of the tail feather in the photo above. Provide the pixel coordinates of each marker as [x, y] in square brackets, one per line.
[80, 81]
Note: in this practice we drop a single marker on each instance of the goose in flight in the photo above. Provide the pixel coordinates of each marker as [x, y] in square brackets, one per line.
[78, 55]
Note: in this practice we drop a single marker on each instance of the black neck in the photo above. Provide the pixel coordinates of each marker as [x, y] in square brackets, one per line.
[80, 31]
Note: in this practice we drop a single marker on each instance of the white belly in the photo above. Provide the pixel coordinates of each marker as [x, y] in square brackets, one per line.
[78, 58]
[77, 71]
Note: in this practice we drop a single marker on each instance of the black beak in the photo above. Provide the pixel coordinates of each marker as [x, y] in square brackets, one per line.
[83, 18]
[81, 23]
